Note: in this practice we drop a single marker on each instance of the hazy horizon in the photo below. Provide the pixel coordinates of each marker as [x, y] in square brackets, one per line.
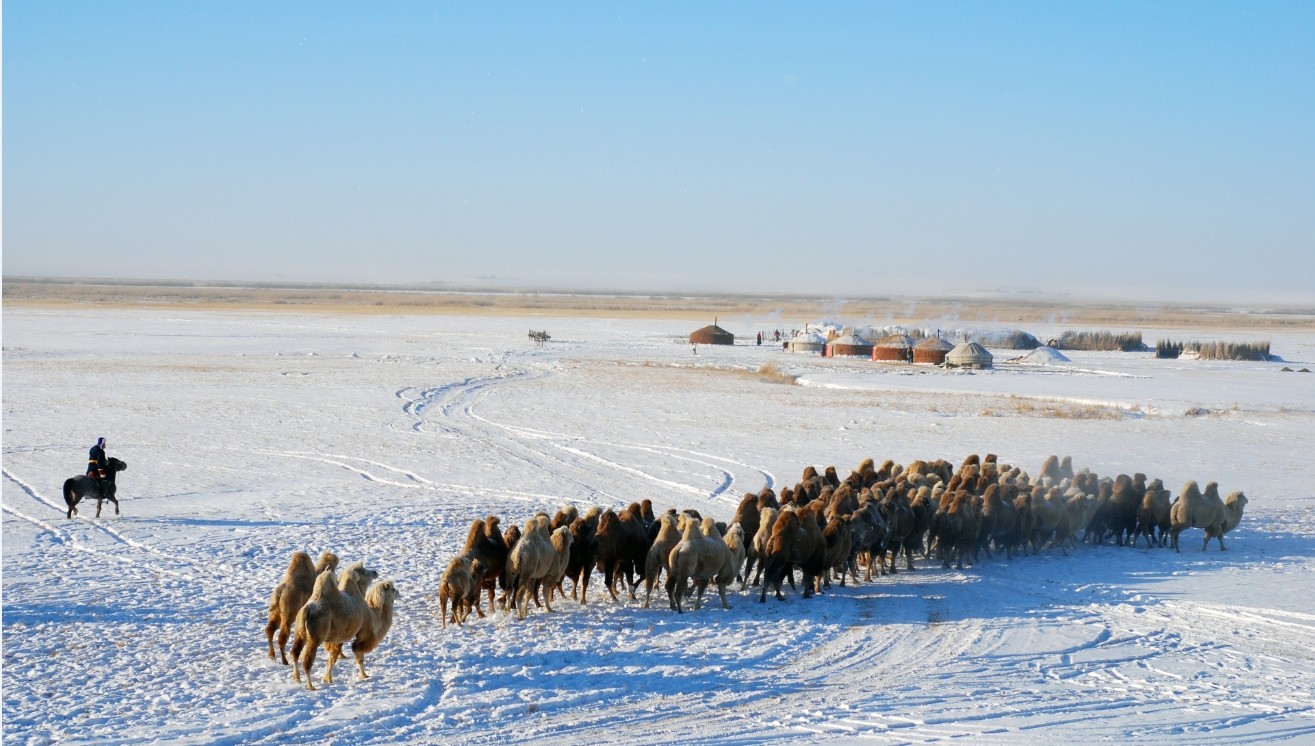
[1150, 151]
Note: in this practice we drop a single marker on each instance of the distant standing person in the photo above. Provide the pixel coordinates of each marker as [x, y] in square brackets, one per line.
[97, 463]
[760, 339]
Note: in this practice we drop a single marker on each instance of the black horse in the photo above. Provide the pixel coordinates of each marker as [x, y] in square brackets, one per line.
[76, 488]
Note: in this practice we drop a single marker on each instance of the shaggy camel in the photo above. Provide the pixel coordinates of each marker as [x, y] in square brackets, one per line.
[839, 540]
[869, 531]
[528, 564]
[738, 547]
[1051, 517]
[796, 539]
[291, 594]
[748, 515]
[484, 542]
[333, 615]
[561, 539]
[1153, 515]
[701, 556]
[955, 529]
[622, 548]
[461, 582]
[1195, 509]
[379, 600]
[1001, 517]
[580, 565]
[766, 519]
[682, 562]
[901, 523]
[658, 560]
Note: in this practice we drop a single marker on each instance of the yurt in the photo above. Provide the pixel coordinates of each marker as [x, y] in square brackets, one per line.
[811, 343]
[931, 350]
[968, 355]
[896, 348]
[850, 345]
[711, 335]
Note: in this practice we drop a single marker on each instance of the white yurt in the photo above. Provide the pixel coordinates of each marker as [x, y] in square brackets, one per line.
[810, 343]
[968, 355]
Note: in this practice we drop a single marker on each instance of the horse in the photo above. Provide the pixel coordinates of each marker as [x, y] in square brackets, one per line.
[76, 488]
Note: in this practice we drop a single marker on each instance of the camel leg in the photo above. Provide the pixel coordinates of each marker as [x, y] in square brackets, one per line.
[269, 636]
[335, 652]
[360, 663]
[307, 662]
[285, 631]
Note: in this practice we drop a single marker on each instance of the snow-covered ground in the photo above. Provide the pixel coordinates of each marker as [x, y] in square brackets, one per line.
[381, 437]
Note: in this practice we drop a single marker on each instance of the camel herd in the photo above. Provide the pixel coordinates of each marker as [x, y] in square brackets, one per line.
[822, 527]
[328, 610]
[826, 529]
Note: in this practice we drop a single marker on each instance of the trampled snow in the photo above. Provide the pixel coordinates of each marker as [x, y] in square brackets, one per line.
[381, 438]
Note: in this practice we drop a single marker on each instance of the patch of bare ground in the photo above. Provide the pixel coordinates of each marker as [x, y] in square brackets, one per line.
[1018, 406]
[789, 309]
[772, 374]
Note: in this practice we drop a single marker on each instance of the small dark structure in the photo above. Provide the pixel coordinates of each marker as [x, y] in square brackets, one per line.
[896, 348]
[850, 345]
[711, 335]
[932, 351]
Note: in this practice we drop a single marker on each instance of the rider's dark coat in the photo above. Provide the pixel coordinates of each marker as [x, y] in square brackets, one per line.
[96, 462]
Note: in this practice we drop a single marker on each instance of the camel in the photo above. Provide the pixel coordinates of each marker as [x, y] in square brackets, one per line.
[622, 548]
[738, 547]
[748, 515]
[458, 586]
[701, 556]
[484, 542]
[766, 519]
[560, 539]
[379, 600]
[1153, 515]
[658, 560]
[528, 564]
[580, 564]
[1195, 509]
[291, 594]
[333, 615]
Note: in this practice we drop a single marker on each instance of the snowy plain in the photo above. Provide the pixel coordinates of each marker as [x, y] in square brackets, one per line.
[251, 435]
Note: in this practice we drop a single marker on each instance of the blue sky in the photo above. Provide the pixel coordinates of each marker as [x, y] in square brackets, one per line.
[1106, 149]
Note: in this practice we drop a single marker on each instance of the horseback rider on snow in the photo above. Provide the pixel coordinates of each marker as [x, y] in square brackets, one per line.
[98, 464]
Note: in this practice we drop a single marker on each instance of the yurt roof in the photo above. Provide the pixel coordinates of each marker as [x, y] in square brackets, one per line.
[808, 338]
[934, 343]
[901, 341]
[968, 352]
[851, 339]
[714, 330]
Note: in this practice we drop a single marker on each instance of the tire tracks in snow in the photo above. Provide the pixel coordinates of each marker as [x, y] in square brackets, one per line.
[96, 526]
[451, 409]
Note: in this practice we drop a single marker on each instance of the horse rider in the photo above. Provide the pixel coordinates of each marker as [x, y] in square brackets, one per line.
[98, 465]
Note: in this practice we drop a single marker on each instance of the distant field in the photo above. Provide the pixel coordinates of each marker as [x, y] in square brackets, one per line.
[335, 299]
